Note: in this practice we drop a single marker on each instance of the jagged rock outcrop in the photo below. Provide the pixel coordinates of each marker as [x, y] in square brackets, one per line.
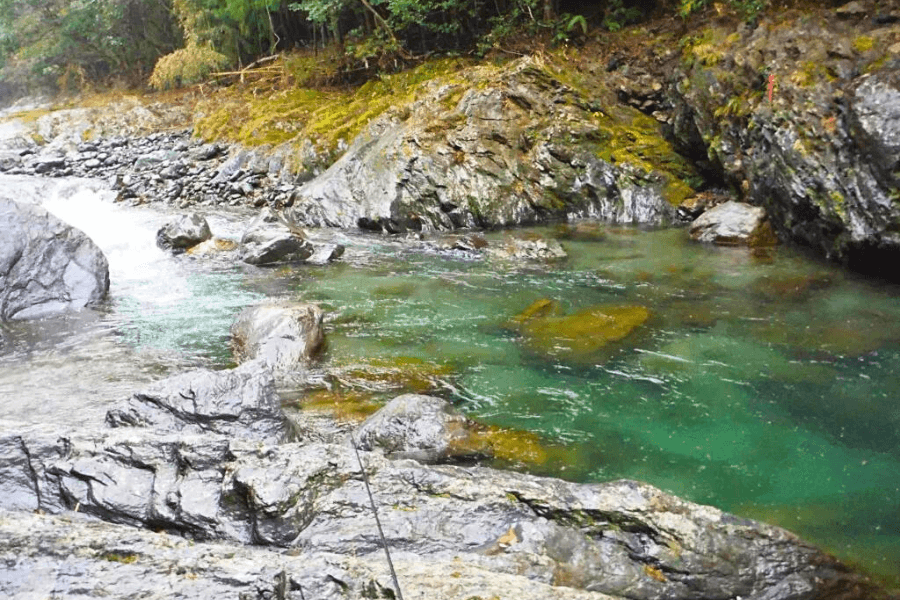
[510, 146]
[46, 266]
[241, 403]
[803, 116]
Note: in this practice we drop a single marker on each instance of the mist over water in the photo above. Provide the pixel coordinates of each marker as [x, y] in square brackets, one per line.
[766, 385]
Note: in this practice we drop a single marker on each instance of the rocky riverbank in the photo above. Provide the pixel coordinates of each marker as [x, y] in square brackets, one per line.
[201, 485]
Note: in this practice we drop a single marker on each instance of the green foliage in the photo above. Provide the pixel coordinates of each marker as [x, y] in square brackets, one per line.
[748, 9]
[42, 40]
[618, 15]
[188, 65]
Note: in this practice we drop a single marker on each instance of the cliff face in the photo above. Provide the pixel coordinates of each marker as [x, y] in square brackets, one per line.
[802, 116]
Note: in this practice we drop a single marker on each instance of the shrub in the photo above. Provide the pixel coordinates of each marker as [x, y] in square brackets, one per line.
[186, 66]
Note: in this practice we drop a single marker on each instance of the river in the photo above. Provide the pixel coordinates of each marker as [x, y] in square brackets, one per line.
[764, 383]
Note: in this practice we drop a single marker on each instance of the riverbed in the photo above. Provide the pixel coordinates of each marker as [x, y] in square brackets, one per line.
[764, 383]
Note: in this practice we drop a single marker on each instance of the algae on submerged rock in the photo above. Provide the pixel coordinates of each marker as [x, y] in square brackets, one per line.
[580, 336]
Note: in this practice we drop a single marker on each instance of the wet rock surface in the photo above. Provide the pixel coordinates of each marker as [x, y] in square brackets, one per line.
[802, 117]
[184, 233]
[622, 539]
[46, 266]
[241, 403]
[413, 426]
[285, 337]
[733, 224]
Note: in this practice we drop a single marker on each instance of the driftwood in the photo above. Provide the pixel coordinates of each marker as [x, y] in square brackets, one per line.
[254, 67]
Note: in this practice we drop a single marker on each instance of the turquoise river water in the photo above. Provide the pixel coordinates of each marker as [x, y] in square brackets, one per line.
[766, 384]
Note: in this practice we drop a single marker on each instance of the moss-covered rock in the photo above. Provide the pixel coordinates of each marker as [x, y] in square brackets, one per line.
[496, 146]
[798, 114]
[577, 337]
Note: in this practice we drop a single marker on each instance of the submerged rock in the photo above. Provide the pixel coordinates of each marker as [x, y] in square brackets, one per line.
[187, 232]
[579, 336]
[516, 248]
[733, 224]
[284, 337]
[46, 266]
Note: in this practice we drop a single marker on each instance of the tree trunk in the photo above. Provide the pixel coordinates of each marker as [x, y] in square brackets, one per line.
[549, 10]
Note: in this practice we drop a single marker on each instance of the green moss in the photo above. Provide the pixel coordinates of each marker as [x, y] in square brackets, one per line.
[706, 48]
[506, 445]
[126, 559]
[580, 336]
[324, 117]
[863, 43]
[343, 406]
[627, 136]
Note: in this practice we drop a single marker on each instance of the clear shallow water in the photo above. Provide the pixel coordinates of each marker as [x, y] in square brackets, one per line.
[765, 385]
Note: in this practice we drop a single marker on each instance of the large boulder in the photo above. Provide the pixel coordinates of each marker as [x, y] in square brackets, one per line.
[241, 403]
[184, 233]
[510, 146]
[734, 224]
[284, 337]
[46, 266]
[269, 239]
[413, 426]
[619, 539]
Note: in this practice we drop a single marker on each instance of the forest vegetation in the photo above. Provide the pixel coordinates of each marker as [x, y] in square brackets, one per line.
[50, 46]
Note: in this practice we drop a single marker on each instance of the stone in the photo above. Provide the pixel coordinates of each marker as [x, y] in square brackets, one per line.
[853, 9]
[733, 224]
[186, 232]
[580, 336]
[325, 253]
[284, 337]
[269, 240]
[413, 426]
[240, 403]
[46, 266]
[696, 205]
[515, 248]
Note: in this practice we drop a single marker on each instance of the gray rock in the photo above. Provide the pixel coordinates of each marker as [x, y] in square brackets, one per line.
[186, 232]
[732, 224]
[268, 240]
[413, 426]
[517, 147]
[822, 156]
[284, 337]
[515, 248]
[46, 266]
[240, 403]
[325, 253]
[622, 539]
[72, 556]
